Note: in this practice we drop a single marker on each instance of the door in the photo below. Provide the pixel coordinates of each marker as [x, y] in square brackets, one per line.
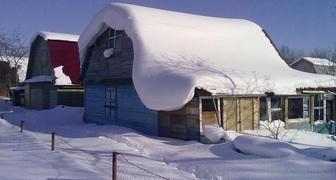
[111, 104]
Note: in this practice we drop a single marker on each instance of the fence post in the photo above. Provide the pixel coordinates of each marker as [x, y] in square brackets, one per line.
[53, 141]
[22, 123]
[1, 116]
[114, 173]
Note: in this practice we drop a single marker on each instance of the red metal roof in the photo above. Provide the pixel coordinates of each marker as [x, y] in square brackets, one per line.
[65, 53]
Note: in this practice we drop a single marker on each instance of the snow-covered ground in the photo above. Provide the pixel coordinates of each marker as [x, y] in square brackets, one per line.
[84, 151]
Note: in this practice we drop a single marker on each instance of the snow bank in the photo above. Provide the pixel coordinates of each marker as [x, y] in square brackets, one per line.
[56, 36]
[170, 158]
[41, 78]
[214, 133]
[264, 147]
[61, 78]
[175, 52]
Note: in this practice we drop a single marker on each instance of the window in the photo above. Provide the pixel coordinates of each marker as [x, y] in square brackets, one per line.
[270, 108]
[209, 104]
[114, 39]
[319, 108]
[296, 108]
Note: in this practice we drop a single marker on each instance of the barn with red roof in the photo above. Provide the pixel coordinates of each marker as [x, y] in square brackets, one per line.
[53, 72]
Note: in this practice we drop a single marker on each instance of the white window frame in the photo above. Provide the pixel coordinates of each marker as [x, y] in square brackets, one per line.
[112, 36]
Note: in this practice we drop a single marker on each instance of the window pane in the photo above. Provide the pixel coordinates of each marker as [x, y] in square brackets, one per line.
[111, 43]
[118, 42]
[318, 114]
[263, 109]
[276, 115]
[318, 102]
[208, 105]
[276, 102]
[112, 32]
[295, 108]
[118, 33]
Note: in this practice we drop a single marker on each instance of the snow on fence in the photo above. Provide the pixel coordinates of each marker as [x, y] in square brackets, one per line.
[113, 165]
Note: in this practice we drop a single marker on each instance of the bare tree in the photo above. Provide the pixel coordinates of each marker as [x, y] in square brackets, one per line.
[290, 55]
[12, 50]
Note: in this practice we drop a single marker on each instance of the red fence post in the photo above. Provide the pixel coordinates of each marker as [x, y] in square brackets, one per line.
[22, 123]
[114, 172]
[53, 141]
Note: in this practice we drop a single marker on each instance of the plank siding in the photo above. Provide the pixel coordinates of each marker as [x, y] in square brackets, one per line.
[240, 113]
[119, 65]
[131, 112]
[39, 59]
[182, 124]
[41, 96]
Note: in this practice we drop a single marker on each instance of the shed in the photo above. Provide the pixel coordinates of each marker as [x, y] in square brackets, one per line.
[53, 72]
[314, 65]
[169, 73]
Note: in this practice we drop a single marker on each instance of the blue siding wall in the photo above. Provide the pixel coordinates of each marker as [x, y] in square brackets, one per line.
[130, 112]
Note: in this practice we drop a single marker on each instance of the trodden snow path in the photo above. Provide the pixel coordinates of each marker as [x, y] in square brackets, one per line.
[22, 156]
[72, 159]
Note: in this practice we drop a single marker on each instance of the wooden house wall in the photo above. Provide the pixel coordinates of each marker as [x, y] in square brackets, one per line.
[40, 96]
[27, 96]
[240, 114]
[320, 69]
[119, 65]
[39, 59]
[130, 111]
[181, 124]
[304, 66]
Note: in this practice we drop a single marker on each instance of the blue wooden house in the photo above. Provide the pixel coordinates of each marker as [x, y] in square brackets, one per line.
[169, 74]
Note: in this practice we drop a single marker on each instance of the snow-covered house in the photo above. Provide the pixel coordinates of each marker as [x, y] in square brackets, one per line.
[53, 72]
[314, 65]
[169, 74]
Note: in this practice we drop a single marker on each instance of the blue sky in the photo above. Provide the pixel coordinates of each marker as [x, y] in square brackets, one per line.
[300, 24]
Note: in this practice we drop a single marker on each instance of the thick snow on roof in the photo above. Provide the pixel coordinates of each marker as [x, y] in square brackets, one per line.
[176, 52]
[316, 61]
[56, 36]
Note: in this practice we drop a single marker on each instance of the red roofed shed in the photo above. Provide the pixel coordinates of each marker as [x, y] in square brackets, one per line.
[44, 88]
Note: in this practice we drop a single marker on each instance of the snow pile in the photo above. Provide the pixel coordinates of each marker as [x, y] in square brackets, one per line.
[231, 56]
[264, 146]
[61, 78]
[41, 78]
[56, 36]
[214, 133]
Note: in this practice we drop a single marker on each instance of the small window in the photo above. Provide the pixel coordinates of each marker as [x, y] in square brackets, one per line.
[319, 107]
[295, 108]
[114, 39]
[208, 105]
[272, 106]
